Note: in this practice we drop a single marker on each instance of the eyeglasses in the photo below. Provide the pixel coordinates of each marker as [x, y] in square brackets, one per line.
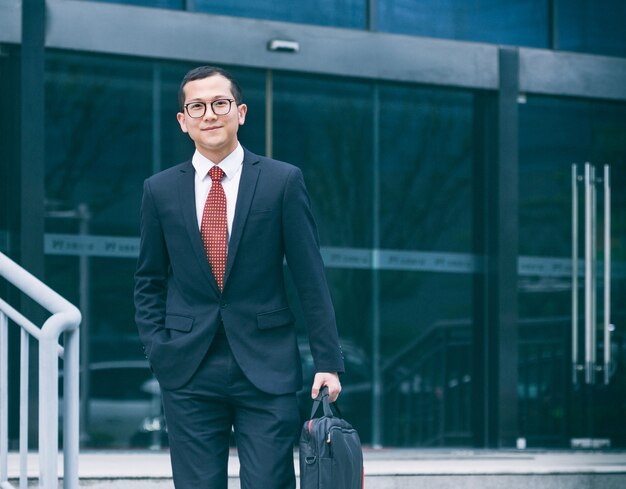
[220, 106]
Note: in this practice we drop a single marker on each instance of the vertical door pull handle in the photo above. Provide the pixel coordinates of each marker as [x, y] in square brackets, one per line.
[574, 274]
[608, 327]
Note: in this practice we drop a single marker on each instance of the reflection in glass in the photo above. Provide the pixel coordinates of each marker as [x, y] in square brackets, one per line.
[592, 27]
[173, 4]
[523, 23]
[426, 165]
[426, 343]
[426, 169]
[98, 139]
[325, 127]
[337, 13]
[426, 319]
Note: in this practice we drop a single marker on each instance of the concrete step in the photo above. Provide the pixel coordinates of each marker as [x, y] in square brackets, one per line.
[554, 481]
[557, 481]
[385, 469]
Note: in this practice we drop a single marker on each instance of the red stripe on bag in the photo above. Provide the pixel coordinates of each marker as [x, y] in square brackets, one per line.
[310, 423]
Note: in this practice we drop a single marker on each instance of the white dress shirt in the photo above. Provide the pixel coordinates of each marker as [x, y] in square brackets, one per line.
[231, 165]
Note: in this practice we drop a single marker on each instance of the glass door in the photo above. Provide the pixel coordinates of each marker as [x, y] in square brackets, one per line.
[572, 272]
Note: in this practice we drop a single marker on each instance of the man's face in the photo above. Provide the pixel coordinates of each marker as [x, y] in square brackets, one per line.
[215, 136]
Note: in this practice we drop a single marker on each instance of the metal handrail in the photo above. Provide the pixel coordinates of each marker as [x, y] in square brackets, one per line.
[65, 319]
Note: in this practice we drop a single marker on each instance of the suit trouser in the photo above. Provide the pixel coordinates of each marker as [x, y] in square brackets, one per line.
[200, 416]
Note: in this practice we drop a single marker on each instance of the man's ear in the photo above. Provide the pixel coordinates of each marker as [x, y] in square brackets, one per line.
[180, 117]
[242, 110]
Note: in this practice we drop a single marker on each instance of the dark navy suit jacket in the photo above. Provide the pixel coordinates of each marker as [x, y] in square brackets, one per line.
[177, 301]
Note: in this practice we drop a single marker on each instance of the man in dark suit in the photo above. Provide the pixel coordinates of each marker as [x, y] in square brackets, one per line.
[211, 306]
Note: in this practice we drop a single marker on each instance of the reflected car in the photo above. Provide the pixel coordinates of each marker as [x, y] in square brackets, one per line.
[125, 409]
[124, 405]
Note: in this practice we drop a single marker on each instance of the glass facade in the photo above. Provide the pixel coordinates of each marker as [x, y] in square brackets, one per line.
[591, 27]
[336, 13]
[172, 4]
[523, 22]
[397, 173]
[575, 25]
[359, 143]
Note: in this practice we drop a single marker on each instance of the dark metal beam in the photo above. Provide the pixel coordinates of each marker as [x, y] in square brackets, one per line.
[9, 148]
[503, 258]
[32, 136]
[198, 37]
[485, 145]
[573, 74]
[9, 203]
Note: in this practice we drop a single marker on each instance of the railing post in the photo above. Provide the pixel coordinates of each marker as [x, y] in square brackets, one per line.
[48, 410]
[71, 406]
[4, 398]
[24, 374]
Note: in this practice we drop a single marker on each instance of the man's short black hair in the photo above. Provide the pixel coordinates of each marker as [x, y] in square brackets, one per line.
[202, 72]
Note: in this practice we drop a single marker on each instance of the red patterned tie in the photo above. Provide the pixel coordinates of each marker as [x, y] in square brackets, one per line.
[214, 228]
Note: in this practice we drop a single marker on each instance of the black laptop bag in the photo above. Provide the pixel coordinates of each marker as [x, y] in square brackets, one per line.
[330, 451]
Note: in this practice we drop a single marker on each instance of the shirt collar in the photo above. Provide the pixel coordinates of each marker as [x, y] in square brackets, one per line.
[230, 165]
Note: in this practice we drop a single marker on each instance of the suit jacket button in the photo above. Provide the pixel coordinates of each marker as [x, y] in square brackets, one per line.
[223, 305]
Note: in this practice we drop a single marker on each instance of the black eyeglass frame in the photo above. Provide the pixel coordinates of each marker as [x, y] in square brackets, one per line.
[206, 104]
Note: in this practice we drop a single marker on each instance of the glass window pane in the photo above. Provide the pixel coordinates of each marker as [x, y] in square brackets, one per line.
[426, 157]
[98, 140]
[426, 200]
[426, 298]
[173, 4]
[325, 127]
[345, 13]
[592, 27]
[523, 23]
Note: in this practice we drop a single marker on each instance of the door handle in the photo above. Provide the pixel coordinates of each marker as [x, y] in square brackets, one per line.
[590, 363]
[608, 327]
[574, 273]
[589, 318]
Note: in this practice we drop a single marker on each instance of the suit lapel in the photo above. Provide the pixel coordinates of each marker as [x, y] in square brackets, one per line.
[247, 186]
[187, 196]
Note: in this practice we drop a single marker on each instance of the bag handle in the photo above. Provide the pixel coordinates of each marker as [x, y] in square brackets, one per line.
[322, 398]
